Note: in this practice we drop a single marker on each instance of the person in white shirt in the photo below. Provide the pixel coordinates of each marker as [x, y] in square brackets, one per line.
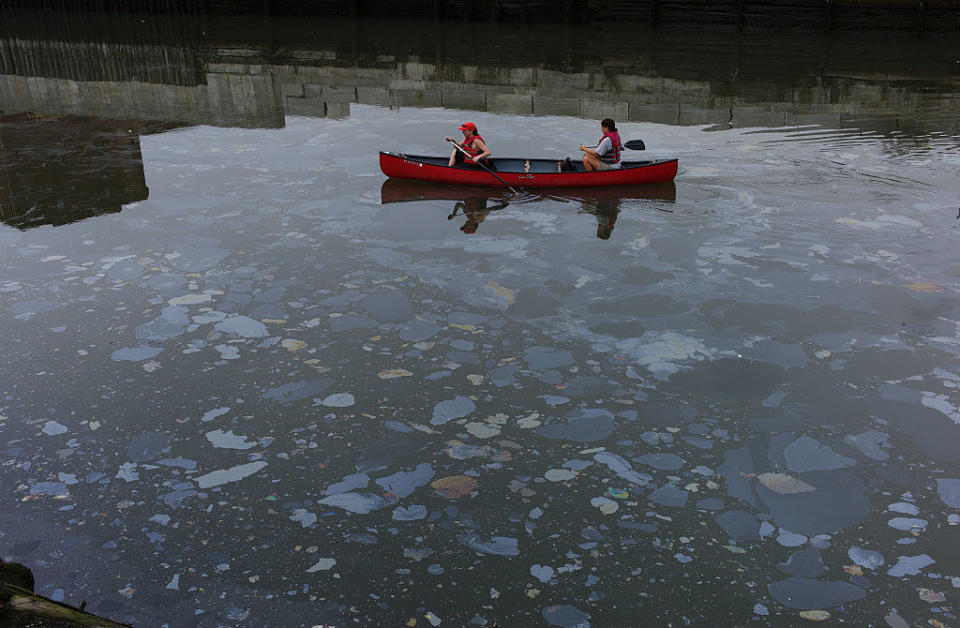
[606, 154]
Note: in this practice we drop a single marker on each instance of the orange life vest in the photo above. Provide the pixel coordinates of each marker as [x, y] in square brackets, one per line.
[467, 145]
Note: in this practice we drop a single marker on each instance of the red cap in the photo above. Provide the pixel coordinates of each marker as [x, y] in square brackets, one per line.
[468, 125]
[469, 227]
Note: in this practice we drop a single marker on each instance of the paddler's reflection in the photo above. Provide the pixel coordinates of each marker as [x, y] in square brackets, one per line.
[605, 212]
[475, 210]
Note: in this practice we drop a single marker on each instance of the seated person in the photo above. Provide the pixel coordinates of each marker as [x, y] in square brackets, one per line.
[606, 155]
[472, 144]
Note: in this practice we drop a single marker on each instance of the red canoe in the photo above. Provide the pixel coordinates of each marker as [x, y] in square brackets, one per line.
[527, 173]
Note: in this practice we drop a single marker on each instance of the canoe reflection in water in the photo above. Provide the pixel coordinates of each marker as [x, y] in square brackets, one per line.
[476, 203]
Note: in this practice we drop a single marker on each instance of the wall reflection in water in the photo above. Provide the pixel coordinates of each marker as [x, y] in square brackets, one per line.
[57, 170]
[253, 72]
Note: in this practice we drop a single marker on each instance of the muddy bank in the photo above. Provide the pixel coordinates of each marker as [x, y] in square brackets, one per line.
[21, 607]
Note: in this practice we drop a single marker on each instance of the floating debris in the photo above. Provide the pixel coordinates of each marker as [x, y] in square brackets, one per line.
[907, 524]
[787, 538]
[566, 616]
[583, 426]
[739, 525]
[292, 345]
[806, 563]
[233, 474]
[804, 593]
[910, 565]
[949, 491]
[606, 506]
[927, 287]
[458, 450]
[136, 354]
[229, 440]
[454, 486]
[498, 545]
[339, 400]
[669, 495]
[349, 483]
[482, 430]
[931, 596]
[784, 484]
[357, 503]
[865, 558]
[450, 409]
[414, 512]
[560, 475]
[212, 414]
[52, 428]
[529, 422]
[807, 454]
[404, 483]
[242, 326]
[543, 573]
[871, 444]
[394, 374]
[324, 564]
[622, 468]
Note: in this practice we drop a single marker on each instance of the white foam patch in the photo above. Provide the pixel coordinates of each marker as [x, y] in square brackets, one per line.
[212, 414]
[127, 472]
[339, 400]
[228, 352]
[229, 440]
[511, 247]
[324, 564]
[542, 221]
[52, 428]
[661, 353]
[723, 254]
[242, 326]
[194, 298]
[941, 403]
[233, 474]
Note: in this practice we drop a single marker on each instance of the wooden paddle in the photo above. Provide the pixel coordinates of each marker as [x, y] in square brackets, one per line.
[460, 148]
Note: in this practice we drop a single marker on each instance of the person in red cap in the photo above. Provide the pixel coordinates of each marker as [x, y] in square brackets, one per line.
[472, 143]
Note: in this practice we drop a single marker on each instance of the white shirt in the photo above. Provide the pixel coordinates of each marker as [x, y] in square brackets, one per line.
[604, 147]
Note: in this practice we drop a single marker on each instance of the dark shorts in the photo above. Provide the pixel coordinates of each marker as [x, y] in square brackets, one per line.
[459, 159]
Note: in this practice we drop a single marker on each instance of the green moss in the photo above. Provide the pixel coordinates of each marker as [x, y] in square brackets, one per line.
[16, 574]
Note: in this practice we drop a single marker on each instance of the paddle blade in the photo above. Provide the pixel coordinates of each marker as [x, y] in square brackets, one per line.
[636, 145]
